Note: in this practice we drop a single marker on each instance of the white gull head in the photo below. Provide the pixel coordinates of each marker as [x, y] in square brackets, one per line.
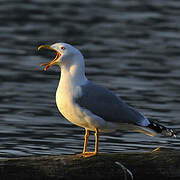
[69, 59]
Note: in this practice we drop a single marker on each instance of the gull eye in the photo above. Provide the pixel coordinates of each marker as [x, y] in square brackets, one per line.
[63, 48]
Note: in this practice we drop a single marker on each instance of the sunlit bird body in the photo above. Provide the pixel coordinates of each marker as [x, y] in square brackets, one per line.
[91, 106]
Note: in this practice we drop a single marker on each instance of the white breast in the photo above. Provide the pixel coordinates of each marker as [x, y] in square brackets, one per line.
[73, 112]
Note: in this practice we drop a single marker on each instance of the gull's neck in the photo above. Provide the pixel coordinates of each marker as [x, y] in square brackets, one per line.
[73, 74]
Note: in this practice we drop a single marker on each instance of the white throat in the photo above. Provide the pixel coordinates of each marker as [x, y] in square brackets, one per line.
[72, 76]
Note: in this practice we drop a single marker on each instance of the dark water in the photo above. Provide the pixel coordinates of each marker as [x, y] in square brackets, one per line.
[131, 47]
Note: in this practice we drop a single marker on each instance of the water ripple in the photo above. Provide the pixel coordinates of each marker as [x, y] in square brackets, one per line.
[131, 47]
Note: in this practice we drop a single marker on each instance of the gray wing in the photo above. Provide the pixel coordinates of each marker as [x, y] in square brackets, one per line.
[103, 103]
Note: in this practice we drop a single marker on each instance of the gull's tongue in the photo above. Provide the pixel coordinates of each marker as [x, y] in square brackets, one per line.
[47, 65]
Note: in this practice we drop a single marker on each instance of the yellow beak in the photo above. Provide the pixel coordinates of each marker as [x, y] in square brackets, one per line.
[49, 64]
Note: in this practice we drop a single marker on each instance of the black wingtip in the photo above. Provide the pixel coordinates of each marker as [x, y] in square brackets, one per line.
[158, 128]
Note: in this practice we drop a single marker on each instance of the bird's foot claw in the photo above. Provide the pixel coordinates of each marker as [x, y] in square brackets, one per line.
[87, 154]
[157, 149]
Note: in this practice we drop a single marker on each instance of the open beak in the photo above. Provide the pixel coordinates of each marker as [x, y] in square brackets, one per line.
[49, 64]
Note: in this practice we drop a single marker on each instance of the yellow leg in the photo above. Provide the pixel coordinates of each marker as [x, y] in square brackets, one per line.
[89, 154]
[96, 141]
[86, 136]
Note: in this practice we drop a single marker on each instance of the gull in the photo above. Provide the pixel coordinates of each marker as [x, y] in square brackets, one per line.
[92, 106]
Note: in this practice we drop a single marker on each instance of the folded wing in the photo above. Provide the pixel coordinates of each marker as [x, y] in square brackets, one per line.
[108, 106]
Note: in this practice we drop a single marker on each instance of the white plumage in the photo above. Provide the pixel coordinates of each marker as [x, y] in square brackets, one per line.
[91, 106]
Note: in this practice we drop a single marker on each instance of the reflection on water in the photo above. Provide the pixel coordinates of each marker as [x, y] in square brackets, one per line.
[131, 47]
